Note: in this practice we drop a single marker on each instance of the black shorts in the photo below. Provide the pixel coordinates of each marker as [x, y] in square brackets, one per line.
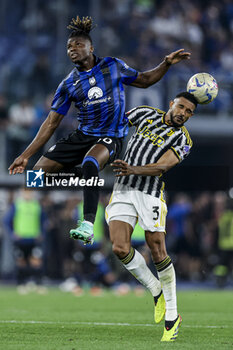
[25, 251]
[71, 150]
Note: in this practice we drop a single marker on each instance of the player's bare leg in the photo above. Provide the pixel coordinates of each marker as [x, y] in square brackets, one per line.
[93, 162]
[100, 153]
[120, 236]
[48, 165]
[134, 262]
[156, 243]
[167, 277]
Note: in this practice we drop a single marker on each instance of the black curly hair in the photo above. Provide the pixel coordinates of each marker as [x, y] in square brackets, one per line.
[188, 96]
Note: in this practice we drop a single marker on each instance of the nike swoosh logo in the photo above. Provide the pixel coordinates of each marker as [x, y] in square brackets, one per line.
[77, 81]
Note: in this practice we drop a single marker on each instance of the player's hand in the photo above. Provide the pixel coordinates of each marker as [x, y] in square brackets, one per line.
[18, 166]
[177, 56]
[121, 168]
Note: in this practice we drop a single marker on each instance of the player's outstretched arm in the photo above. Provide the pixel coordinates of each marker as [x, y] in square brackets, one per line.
[148, 78]
[166, 162]
[45, 132]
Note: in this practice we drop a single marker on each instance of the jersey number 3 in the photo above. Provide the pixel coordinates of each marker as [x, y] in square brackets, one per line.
[156, 211]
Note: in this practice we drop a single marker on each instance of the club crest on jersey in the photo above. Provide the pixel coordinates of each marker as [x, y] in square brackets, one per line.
[92, 81]
[95, 92]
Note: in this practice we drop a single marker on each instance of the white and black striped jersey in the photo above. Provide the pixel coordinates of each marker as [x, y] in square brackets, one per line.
[151, 139]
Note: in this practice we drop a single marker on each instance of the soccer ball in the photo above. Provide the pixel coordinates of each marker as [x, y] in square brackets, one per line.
[203, 86]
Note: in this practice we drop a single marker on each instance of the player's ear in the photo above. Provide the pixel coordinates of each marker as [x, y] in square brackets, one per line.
[193, 112]
[92, 49]
[171, 103]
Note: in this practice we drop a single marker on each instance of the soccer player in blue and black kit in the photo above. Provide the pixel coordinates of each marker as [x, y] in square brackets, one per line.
[95, 85]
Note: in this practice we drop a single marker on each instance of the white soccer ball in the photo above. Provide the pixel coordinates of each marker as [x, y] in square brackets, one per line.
[203, 86]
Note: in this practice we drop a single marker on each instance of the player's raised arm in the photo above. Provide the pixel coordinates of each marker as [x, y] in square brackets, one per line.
[148, 78]
[165, 162]
[45, 132]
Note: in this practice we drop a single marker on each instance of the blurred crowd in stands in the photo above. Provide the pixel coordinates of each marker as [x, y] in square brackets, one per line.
[35, 244]
[155, 27]
[33, 51]
[20, 121]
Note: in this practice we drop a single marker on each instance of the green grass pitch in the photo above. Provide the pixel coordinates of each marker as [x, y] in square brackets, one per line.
[61, 321]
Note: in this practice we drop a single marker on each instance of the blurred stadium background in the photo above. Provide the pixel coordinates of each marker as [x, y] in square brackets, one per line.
[33, 61]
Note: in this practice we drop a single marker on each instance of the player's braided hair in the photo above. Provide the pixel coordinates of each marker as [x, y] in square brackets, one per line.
[81, 27]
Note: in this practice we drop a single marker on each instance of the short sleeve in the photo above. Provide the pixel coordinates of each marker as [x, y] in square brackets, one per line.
[128, 74]
[61, 101]
[137, 114]
[182, 147]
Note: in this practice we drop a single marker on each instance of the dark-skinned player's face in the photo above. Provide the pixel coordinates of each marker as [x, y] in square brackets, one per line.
[79, 49]
[180, 111]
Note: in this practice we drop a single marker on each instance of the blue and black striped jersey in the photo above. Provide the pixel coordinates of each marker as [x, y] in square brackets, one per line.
[98, 95]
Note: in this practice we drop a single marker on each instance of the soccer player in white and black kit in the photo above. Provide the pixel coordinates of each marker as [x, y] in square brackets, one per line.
[159, 142]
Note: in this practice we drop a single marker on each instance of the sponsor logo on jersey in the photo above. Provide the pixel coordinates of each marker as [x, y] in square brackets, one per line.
[100, 100]
[155, 139]
[95, 92]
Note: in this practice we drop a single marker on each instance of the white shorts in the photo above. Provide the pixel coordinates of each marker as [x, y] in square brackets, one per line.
[130, 206]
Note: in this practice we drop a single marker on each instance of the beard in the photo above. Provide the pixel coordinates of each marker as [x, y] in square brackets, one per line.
[173, 121]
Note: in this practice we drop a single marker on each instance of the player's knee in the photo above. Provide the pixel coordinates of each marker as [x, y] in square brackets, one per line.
[120, 250]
